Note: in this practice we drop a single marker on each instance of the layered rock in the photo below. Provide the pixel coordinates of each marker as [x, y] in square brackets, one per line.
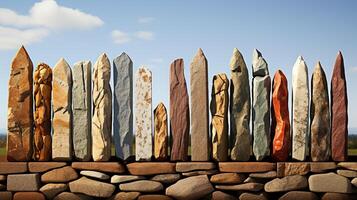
[339, 112]
[280, 118]
[320, 116]
[123, 106]
[102, 110]
[82, 113]
[62, 111]
[219, 112]
[42, 115]
[239, 108]
[20, 108]
[300, 110]
[143, 116]
[160, 132]
[179, 112]
[200, 142]
[261, 107]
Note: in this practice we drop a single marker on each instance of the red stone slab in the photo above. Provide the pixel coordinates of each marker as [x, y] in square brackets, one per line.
[246, 167]
[151, 168]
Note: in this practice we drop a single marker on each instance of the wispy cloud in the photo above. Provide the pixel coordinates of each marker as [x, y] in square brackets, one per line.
[144, 35]
[120, 37]
[145, 20]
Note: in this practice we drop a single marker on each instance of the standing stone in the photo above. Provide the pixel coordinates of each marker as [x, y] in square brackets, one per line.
[320, 116]
[179, 112]
[123, 106]
[239, 108]
[20, 111]
[339, 113]
[300, 110]
[42, 116]
[160, 132]
[261, 107]
[199, 108]
[280, 118]
[102, 110]
[143, 116]
[82, 115]
[219, 112]
[62, 111]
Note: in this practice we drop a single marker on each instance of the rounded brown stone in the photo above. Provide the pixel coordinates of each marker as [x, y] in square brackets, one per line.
[299, 195]
[228, 178]
[126, 196]
[112, 167]
[61, 175]
[151, 168]
[154, 197]
[219, 195]
[44, 166]
[29, 196]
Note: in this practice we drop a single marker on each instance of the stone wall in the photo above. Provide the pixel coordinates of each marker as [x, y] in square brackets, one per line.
[181, 180]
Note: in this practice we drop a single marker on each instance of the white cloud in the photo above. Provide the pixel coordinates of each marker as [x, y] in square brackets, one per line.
[145, 20]
[144, 35]
[120, 37]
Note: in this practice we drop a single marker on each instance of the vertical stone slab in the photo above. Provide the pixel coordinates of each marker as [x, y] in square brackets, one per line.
[219, 112]
[42, 93]
[160, 132]
[143, 116]
[280, 118]
[320, 116]
[200, 142]
[179, 112]
[239, 108]
[123, 106]
[300, 110]
[82, 112]
[102, 110]
[339, 112]
[261, 107]
[62, 111]
[20, 108]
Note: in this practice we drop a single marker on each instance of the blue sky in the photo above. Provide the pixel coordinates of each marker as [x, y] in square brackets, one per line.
[154, 33]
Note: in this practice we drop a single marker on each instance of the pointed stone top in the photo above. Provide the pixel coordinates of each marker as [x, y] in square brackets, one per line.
[123, 56]
[339, 68]
[200, 52]
[21, 56]
[220, 82]
[144, 69]
[280, 74]
[103, 59]
[160, 106]
[61, 65]
[237, 63]
[260, 66]
[144, 73]
[318, 66]
[300, 63]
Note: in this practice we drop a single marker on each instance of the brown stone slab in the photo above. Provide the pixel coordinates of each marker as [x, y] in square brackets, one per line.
[44, 166]
[292, 168]
[317, 167]
[29, 196]
[112, 167]
[348, 165]
[13, 167]
[190, 166]
[151, 168]
[5, 195]
[246, 167]
[160, 132]
[23, 182]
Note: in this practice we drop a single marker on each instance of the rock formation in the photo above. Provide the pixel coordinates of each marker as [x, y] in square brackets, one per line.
[160, 132]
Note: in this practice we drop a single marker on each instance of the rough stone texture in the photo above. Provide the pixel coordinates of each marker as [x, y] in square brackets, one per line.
[160, 132]
[264, 175]
[112, 167]
[354, 182]
[23, 182]
[253, 196]
[102, 110]
[299, 195]
[125, 178]
[82, 113]
[300, 110]
[154, 197]
[254, 187]
[348, 165]
[339, 196]
[280, 126]
[95, 174]
[42, 116]
[320, 116]
[200, 172]
[13, 167]
[288, 183]
[60, 175]
[92, 188]
[123, 106]
[218, 195]
[330, 182]
[6, 195]
[143, 115]
[29, 196]
[151, 168]
[261, 107]
[62, 111]
[292, 168]
[219, 112]
[339, 112]
[166, 178]
[141, 186]
[347, 173]
[20, 108]
[228, 178]
[52, 189]
[200, 141]
[246, 167]
[179, 112]
[190, 188]
[44, 166]
[126, 196]
[2, 178]
[191, 166]
[72, 196]
[318, 167]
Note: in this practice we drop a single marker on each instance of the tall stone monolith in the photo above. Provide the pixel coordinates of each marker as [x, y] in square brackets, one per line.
[160, 132]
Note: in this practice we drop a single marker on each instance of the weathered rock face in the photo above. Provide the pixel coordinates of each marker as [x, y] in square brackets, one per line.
[261, 107]
[102, 110]
[92, 188]
[179, 112]
[300, 110]
[62, 111]
[160, 132]
[339, 113]
[219, 112]
[42, 116]
[239, 108]
[143, 116]
[288, 183]
[20, 111]
[200, 142]
[320, 116]
[280, 118]
[82, 113]
[123, 106]
[330, 182]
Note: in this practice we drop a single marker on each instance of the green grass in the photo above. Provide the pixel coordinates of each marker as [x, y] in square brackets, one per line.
[352, 152]
[2, 151]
